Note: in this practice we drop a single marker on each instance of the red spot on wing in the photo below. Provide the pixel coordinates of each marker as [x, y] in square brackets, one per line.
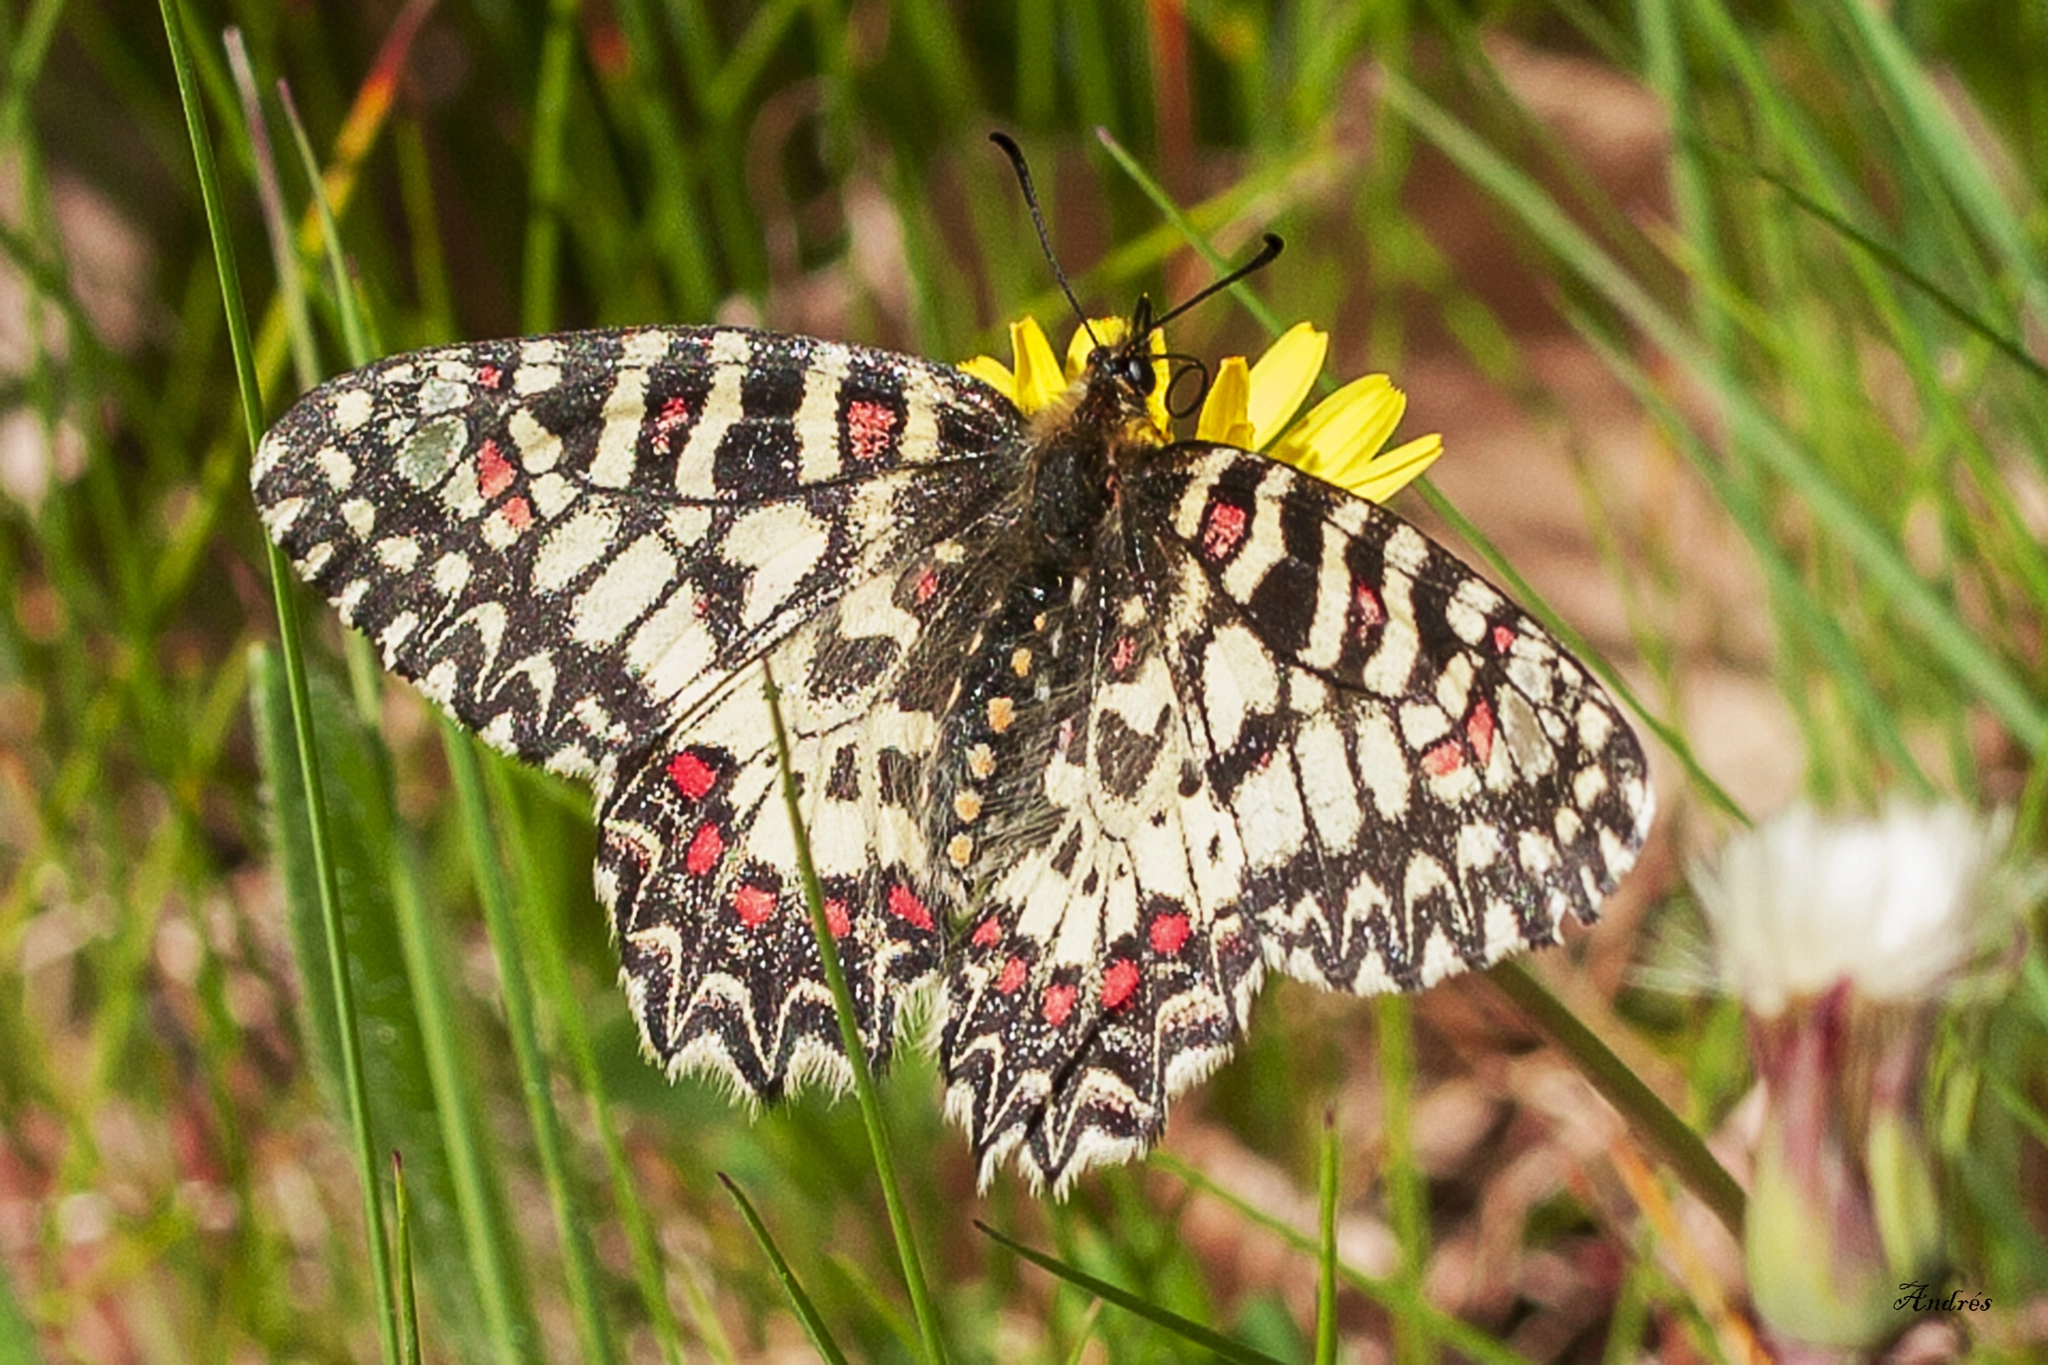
[927, 584]
[836, 919]
[1222, 530]
[1444, 759]
[674, 413]
[988, 934]
[1119, 983]
[904, 905]
[494, 473]
[489, 376]
[1479, 731]
[1059, 1003]
[1126, 650]
[869, 429]
[1014, 972]
[516, 513]
[1366, 602]
[706, 848]
[692, 775]
[1169, 932]
[1503, 638]
[754, 905]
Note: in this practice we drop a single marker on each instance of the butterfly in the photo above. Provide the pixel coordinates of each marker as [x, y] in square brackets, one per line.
[1091, 728]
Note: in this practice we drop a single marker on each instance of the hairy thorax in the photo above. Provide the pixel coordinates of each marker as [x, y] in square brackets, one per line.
[1078, 448]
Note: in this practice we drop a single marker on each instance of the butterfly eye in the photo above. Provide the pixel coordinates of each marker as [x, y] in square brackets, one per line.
[1135, 370]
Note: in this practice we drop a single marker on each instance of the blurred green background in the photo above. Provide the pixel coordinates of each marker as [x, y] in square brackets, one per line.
[1731, 316]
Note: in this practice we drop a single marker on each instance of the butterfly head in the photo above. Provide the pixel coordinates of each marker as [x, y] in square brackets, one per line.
[1117, 397]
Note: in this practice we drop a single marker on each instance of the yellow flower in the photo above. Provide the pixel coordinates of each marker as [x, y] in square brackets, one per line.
[1338, 441]
[1038, 380]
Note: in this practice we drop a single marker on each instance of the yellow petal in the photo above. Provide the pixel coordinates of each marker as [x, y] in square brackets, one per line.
[993, 373]
[1344, 430]
[1155, 403]
[1283, 377]
[1381, 478]
[1224, 415]
[1098, 332]
[1040, 381]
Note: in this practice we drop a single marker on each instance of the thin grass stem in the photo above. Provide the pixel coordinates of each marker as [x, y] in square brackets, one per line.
[856, 1049]
[502, 923]
[295, 679]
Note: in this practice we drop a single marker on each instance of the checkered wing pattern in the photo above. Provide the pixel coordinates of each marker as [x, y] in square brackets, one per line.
[591, 549]
[1111, 961]
[1422, 777]
[1092, 729]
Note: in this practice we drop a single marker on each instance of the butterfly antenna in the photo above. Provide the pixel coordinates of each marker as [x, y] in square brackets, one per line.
[1016, 155]
[1266, 255]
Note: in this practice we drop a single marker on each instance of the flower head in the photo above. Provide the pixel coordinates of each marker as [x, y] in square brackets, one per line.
[1894, 905]
[1837, 935]
[1338, 441]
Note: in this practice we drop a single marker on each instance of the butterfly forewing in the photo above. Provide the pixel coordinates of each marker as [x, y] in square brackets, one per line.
[571, 541]
[1424, 780]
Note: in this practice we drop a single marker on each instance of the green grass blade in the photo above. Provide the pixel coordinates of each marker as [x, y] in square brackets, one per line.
[488, 1241]
[502, 922]
[1086, 1334]
[2007, 345]
[355, 331]
[1186, 1329]
[1790, 596]
[1952, 640]
[295, 677]
[1326, 1245]
[408, 1302]
[551, 976]
[407, 1105]
[290, 292]
[544, 194]
[1653, 1120]
[17, 1334]
[1945, 147]
[921, 1304]
[806, 1311]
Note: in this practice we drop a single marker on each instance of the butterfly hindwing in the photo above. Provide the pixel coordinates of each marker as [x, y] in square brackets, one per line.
[571, 541]
[699, 866]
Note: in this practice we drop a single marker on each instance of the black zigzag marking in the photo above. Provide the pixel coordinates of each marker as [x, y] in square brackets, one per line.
[1439, 782]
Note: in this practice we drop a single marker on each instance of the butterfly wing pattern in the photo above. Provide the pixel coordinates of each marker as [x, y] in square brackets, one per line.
[1089, 729]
